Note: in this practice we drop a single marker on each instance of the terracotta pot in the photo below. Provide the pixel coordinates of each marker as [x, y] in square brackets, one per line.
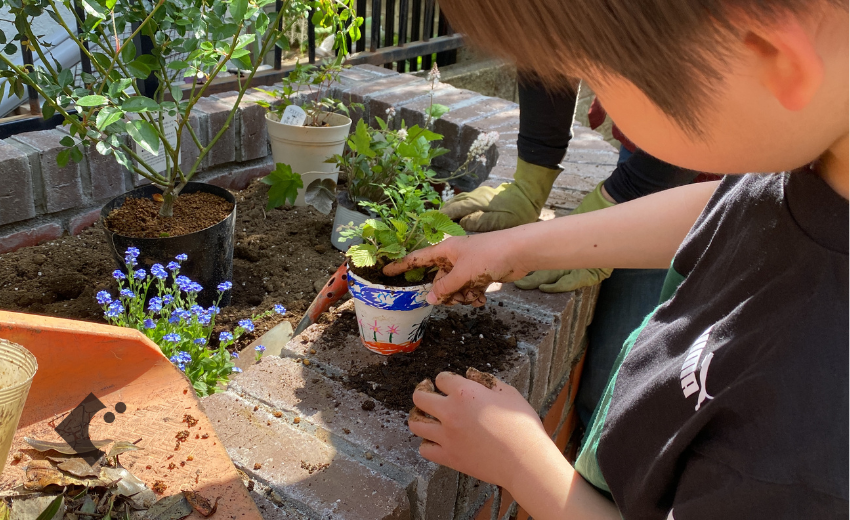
[210, 250]
[307, 148]
[390, 319]
[130, 390]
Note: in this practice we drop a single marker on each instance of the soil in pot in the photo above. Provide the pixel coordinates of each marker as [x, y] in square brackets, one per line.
[452, 343]
[374, 274]
[282, 256]
[139, 217]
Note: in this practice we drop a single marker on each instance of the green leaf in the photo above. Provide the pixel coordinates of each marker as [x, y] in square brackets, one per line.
[377, 225]
[177, 65]
[92, 101]
[139, 69]
[363, 255]
[414, 132]
[119, 86]
[284, 185]
[238, 8]
[443, 223]
[139, 104]
[415, 275]
[144, 134]
[362, 141]
[65, 78]
[392, 251]
[52, 509]
[67, 141]
[95, 9]
[63, 157]
[76, 154]
[47, 108]
[176, 93]
[107, 116]
[436, 111]
[128, 52]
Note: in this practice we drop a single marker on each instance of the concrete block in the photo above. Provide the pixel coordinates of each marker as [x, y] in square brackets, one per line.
[238, 178]
[305, 472]
[451, 126]
[374, 69]
[30, 237]
[189, 151]
[252, 135]
[106, 176]
[224, 150]
[414, 113]
[473, 496]
[62, 188]
[82, 221]
[16, 194]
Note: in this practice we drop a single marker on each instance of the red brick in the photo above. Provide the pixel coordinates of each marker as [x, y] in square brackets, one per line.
[557, 410]
[30, 237]
[575, 376]
[486, 511]
[77, 224]
[472, 494]
[381, 71]
[566, 431]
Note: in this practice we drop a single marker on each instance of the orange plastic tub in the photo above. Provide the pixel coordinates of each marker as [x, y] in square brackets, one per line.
[120, 365]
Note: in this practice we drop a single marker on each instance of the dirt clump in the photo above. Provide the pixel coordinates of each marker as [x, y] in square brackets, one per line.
[139, 217]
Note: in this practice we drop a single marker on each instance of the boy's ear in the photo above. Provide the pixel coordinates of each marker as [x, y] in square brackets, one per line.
[789, 64]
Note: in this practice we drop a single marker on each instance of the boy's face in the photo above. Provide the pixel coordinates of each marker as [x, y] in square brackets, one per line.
[746, 127]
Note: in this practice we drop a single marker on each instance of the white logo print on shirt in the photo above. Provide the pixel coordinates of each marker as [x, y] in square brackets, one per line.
[689, 367]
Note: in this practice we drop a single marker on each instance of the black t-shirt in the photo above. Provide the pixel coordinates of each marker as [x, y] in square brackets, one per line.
[733, 400]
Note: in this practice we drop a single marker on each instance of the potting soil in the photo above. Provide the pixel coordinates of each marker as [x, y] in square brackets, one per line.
[139, 217]
[452, 343]
[282, 256]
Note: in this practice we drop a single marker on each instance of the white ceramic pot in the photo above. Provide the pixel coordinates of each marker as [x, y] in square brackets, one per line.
[306, 148]
[17, 368]
[390, 319]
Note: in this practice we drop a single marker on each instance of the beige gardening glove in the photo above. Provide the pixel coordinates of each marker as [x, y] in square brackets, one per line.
[557, 281]
[509, 205]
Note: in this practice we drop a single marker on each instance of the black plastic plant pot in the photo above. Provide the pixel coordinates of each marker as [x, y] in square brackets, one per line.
[210, 250]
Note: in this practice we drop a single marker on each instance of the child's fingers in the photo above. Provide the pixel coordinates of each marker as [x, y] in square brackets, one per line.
[429, 402]
[449, 382]
[431, 430]
[482, 378]
[432, 451]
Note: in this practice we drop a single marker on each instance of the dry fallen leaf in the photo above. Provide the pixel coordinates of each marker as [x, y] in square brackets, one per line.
[128, 484]
[64, 447]
[201, 504]
[77, 467]
[172, 507]
[41, 474]
[122, 447]
[157, 197]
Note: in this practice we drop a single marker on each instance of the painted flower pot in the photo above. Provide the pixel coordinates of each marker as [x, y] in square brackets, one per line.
[390, 319]
[307, 148]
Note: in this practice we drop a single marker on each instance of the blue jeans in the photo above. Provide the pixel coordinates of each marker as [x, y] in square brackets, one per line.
[624, 301]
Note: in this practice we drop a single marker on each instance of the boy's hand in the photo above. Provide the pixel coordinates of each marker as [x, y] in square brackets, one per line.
[481, 427]
[467, 266]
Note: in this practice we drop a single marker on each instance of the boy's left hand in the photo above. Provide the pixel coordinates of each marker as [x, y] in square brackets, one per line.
[481, 426]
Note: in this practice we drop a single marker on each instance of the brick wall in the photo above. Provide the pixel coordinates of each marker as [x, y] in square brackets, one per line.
[40, 201]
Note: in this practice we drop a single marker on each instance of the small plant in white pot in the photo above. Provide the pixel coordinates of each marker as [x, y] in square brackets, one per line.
[392, 311]
[305, 137]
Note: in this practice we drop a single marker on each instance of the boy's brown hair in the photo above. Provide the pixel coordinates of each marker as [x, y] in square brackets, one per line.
[672, 50]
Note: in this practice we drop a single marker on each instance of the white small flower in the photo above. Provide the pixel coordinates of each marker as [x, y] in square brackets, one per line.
[434, 75]
[482, 160]
[402, 134]
[447, 195]
[391, 112]
[483, 143]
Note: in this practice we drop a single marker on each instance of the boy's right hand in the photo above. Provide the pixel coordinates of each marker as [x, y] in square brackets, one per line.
[467, 266]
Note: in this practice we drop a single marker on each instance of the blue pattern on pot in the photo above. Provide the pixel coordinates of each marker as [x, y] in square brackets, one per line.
[388, 298]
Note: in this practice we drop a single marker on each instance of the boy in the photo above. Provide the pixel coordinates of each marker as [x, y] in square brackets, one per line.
[730, 401]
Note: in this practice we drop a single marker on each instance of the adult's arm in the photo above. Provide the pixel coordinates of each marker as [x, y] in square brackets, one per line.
[643, 234]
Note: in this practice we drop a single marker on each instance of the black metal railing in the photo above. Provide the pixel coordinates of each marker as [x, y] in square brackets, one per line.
[409, 43]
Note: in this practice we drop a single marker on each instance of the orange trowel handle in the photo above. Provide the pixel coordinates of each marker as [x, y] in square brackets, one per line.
[335, 289]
